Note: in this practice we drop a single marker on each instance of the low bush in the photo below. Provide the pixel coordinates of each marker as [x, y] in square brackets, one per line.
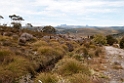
[122, 43]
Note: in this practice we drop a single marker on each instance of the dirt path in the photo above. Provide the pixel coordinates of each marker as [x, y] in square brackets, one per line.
[114, 65]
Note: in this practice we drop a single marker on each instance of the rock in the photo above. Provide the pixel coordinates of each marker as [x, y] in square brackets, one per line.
[7, 33]
[46, 38]
[27, 36]
[24, 38]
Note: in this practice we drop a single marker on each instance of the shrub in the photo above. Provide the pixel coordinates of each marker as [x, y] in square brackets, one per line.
[49, 30]
[16, 25]
[46, 78]
[111, 40]
[71, 66]
[100, 39]
[122, 43]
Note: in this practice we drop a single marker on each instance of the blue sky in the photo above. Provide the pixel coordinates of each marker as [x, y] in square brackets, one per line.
[71, 12]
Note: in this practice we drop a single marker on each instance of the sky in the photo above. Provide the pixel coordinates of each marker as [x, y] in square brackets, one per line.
[70, 12]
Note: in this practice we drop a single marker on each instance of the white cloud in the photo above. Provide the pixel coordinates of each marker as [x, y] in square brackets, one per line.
[59, 9]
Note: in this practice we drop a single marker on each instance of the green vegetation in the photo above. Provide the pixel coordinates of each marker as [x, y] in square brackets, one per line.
[49, 30]
[111, 40]
[100, 39]
[71, 66]
[50, 60]
[16, 24]
[122, 43]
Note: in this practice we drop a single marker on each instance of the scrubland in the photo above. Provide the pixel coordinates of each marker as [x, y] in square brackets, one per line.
[49, 58]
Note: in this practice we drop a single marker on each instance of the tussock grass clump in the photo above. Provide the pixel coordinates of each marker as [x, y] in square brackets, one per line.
[75, 45]
[80, 78]
[82, 52]
[82, 49]
[46, 78]
[18, 67]
[71, 66]
[5, 56]
[39, 44]
[3, 38]
[64, 47]
[54, 43]
[49, 51]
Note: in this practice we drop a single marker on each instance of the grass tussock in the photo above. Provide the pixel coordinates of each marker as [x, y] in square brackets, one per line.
[39, 43]
[80, 78]
[49, 51]
[71, 66]
[46, 78]
[6, 56]
[15, 69]
[4, 38]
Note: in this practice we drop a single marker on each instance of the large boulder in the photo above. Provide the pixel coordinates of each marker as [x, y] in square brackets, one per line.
[27, 36]
[24, 38]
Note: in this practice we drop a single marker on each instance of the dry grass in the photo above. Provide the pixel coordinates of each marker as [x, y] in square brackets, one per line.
[71, 66]
[49, 51]
[46, 78]
[6, 56]
[38, 44]
[80, 78]
[15, 69]
[3, 38]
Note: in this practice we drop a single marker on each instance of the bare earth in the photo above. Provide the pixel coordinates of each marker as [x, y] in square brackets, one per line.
[114, 65]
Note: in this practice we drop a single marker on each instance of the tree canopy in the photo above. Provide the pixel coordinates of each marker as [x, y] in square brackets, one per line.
[49, 30]
[16, 17]
[16, 20]
[1, 17]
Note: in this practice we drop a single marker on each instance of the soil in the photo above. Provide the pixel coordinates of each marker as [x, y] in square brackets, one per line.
[114, 71]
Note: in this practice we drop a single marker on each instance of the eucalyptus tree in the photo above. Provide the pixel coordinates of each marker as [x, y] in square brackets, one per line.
[1, 17]
[16, 20]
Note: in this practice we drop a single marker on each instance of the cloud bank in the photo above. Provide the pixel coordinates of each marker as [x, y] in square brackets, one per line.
[54, 12]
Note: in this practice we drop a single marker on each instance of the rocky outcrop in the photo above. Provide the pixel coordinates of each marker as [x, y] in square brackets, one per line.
[24, 38]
